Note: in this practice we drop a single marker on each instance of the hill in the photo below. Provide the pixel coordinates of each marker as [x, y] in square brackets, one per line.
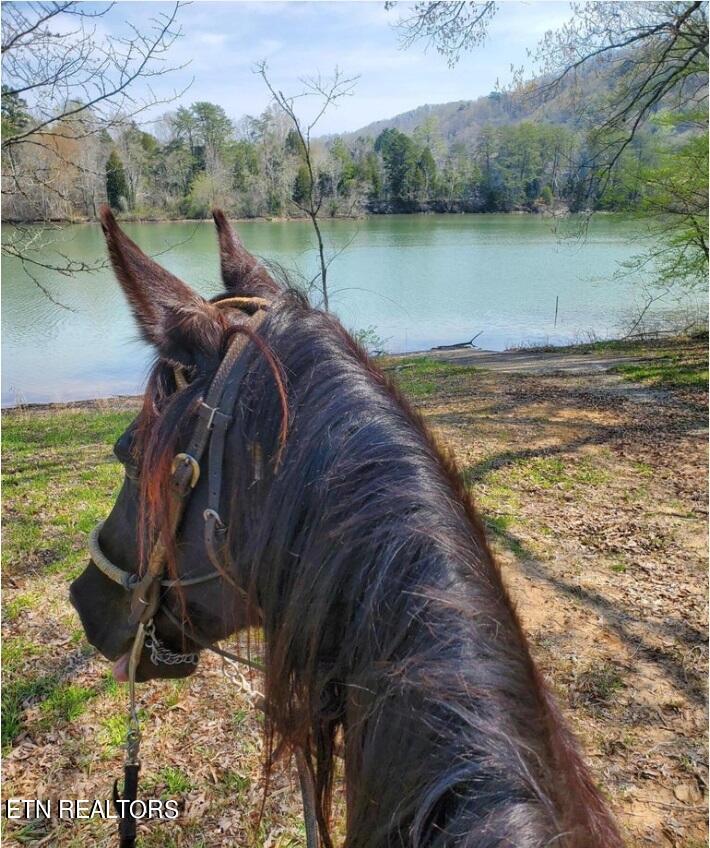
[460, 121]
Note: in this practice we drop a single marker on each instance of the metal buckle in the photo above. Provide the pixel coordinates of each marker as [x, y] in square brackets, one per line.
[212, 513]
[187, 459]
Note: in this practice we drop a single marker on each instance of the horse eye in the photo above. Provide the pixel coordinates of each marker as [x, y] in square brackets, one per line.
[123, 449]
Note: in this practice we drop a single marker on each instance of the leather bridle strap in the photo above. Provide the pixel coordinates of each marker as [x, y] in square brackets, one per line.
[215, 529]
[209, 408]
[186, 473]
[243, 303]
[129, 579]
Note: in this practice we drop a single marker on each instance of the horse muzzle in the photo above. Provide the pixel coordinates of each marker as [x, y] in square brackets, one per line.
[104, 611]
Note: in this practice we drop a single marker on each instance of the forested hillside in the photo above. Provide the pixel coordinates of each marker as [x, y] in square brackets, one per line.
[499, 153]
[462, 120]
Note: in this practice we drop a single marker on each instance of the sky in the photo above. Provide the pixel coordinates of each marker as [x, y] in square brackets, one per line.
[222, 41]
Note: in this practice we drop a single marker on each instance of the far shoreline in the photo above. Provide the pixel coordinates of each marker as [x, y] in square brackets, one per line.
[610, 353]
[558, 214]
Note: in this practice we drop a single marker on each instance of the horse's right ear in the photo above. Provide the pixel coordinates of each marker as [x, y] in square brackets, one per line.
[242, 273]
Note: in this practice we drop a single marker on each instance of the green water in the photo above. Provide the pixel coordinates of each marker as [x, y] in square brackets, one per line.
[419, 280]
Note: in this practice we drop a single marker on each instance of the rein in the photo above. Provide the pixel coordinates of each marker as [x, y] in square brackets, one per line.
[214, 420]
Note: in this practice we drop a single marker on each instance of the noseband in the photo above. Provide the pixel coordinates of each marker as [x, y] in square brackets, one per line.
[214, 417]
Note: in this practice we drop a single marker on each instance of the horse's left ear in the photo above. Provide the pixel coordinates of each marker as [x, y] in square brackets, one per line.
[171, 316]
[242, 273]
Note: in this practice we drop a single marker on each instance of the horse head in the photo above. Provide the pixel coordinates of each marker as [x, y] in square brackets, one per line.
[194, 603]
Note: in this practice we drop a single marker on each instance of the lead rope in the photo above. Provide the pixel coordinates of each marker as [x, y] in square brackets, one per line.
[124, 805]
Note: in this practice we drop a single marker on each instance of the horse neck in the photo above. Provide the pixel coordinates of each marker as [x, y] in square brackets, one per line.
[385, 616]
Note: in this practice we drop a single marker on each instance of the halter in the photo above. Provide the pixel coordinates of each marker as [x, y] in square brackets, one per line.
[213, 421]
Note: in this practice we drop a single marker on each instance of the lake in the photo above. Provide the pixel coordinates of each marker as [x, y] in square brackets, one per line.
[418, 280]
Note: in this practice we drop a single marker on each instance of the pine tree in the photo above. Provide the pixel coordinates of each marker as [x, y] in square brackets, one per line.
[301, 186]
[116, 182]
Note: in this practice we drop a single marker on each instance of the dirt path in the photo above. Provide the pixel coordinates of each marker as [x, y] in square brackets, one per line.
[536, 362]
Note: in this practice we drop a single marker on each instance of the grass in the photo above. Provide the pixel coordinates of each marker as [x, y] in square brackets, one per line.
[113, 731]
[239, 717]
[109, 685]
[65, 703]
[176, 781]
[232, 781]
[422, 376]
[632, 347]
[16, 693]
[667, 373]
[492, 491]
[15, 651]
[19, 688]
[174, 692]
[597, 685]
[63, 428]
[14, 608]
[59, 480]
[548, 472]
[643, 469]
[59, 702]
[498, 527]
[498, 524]
[33, 831]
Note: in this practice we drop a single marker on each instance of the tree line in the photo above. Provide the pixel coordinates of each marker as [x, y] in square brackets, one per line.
[620, 124]
[196, 157]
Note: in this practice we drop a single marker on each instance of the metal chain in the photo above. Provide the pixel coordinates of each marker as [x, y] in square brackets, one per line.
[159, 654]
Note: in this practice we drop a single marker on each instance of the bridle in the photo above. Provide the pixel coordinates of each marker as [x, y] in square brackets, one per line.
[214, 418]
[213, 422]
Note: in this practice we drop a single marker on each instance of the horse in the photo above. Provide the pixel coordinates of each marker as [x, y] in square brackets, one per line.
[332, 520]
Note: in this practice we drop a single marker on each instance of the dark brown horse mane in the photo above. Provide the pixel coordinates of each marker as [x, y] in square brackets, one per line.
[384, 614]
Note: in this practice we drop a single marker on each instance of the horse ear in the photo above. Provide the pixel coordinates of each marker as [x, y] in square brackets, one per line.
[242, 273]
[170, 314]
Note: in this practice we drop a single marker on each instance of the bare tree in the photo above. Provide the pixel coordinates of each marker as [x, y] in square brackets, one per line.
[653, 54]
[451, 27]
[63, 84]
[650, 53]
[327, 93]
[623, 65]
